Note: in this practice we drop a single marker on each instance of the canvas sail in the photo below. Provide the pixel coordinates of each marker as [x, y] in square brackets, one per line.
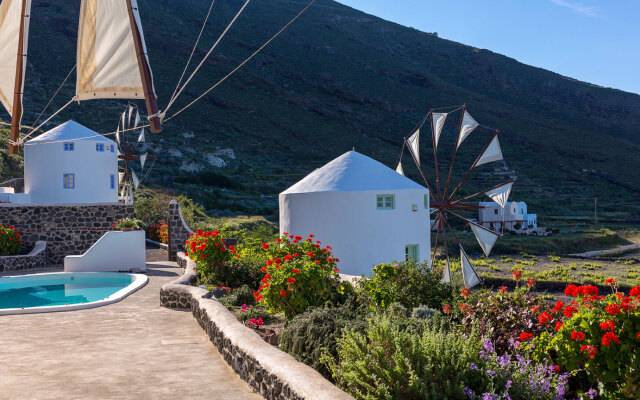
[491, 153]
[107, 65]
[468, 125]
[501, 193]
[414, 145]
[399, 168]
[446, 275]
[10, 18]
[469, 274]
[486, 238]
[438, 123]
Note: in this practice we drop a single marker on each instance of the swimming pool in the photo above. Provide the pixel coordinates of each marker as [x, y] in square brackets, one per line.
[65, 291]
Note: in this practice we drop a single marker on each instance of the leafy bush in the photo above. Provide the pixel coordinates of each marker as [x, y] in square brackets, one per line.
[407, 283]
[317, 330]
[423, 312]
[240, 296]
[597, 339]
[298, 274]
[128, 223]
[191, 211]
[10, 241]
[389, 361]
[211, 255]
[502, 316]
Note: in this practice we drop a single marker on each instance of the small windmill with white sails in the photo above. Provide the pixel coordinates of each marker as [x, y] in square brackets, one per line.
[131, 140]
[443, 202]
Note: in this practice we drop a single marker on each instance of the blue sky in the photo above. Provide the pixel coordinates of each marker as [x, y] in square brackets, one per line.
[597, 41]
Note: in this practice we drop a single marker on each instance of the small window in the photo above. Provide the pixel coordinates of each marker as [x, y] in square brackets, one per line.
[385, 202]
[68, 181]
[68, 146]
[495, 211]
[99, 146]
[113, 150]
[426, 201]
[411, 252]
[112, 183]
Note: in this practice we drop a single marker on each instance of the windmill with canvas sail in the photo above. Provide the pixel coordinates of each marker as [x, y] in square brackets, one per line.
[111, 58]
[443, 202]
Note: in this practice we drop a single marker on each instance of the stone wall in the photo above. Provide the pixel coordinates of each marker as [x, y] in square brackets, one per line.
[179, 231]
[67, 229]
[274, 374]
[36, 259]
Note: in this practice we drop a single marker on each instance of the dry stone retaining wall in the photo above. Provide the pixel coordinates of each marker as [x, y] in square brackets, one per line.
[274, 374]
[67, 229]
[36, 259]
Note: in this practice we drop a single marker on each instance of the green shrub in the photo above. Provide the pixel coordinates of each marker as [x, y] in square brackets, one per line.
[389, 361]
[423, 312]
[298, 274]
[407, 283]
[240, 296]
[317, 330]
[10, 241]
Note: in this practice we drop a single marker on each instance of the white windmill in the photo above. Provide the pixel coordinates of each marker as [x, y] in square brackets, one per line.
[443, 203]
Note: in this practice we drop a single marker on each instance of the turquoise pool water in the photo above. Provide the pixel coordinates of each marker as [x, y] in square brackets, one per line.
[60, 289]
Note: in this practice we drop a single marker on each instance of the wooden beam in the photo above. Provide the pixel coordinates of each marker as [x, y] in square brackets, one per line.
[16, 111]
[145, 74]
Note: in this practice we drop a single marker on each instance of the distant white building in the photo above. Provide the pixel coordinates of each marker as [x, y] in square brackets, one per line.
[368, 213]
[69, 164]
[514, 216]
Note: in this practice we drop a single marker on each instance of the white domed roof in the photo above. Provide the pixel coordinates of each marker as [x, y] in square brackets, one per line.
[70, 130]
[352, 172]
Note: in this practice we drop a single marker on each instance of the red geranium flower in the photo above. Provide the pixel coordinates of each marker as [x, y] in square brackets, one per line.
[575, 335]
[465, 293]
[569, 290]
[568, 312]
[544, 318]
[531, 282]
[524, 336]
[295, 270]
[502, 289]
[558, 325]
[517, 275]
[635, 292]
[463, 307]
[535, 309]
[610, 281]
[556, 368]
[559, 306]
[613, 309]
[447, 309]
[291, 280]
[591, 350]
[610, 337]
[283, 293]
[202, 256]
[607, 326]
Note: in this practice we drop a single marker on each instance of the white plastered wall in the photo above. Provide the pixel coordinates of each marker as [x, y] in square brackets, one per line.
[361, 236]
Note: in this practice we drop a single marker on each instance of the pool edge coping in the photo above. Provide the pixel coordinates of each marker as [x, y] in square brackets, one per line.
[140, 281]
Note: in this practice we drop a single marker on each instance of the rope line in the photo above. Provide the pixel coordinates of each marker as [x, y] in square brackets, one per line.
[205, 57]
[192, 52]
[21, 140]
[245, 61]
[54, 95]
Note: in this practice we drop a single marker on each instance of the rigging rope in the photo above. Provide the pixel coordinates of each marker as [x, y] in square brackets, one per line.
[204, 59]
[54, 95]
[192, 51]
[21, 140]
[245, 61]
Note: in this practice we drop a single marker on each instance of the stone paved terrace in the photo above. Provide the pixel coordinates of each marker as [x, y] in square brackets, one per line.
[133, 349]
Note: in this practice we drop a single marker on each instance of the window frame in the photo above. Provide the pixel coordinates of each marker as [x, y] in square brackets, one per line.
[112, 181]
[72, 181]
[409, 249]
[384, 198]
[112, 148]
[100, 147]
[68, 146]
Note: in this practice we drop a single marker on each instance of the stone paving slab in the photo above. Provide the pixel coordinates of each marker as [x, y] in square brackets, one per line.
[133, 349]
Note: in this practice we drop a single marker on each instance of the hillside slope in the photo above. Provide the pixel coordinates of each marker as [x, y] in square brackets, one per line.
[339, 79]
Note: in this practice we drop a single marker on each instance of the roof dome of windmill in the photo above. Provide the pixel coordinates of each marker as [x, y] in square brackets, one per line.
[368, 213]
[352, 171]
[70, 130]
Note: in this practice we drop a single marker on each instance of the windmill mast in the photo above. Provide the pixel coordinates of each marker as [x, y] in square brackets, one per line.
[145, 74]
[16, 111]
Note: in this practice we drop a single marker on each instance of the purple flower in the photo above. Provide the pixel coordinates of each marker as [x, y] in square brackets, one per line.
[508, 384]
[468, 392]
[488, 346]
[490, 372]
[504, 360]
[473, 367]
[489, 396]
[592, 393]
